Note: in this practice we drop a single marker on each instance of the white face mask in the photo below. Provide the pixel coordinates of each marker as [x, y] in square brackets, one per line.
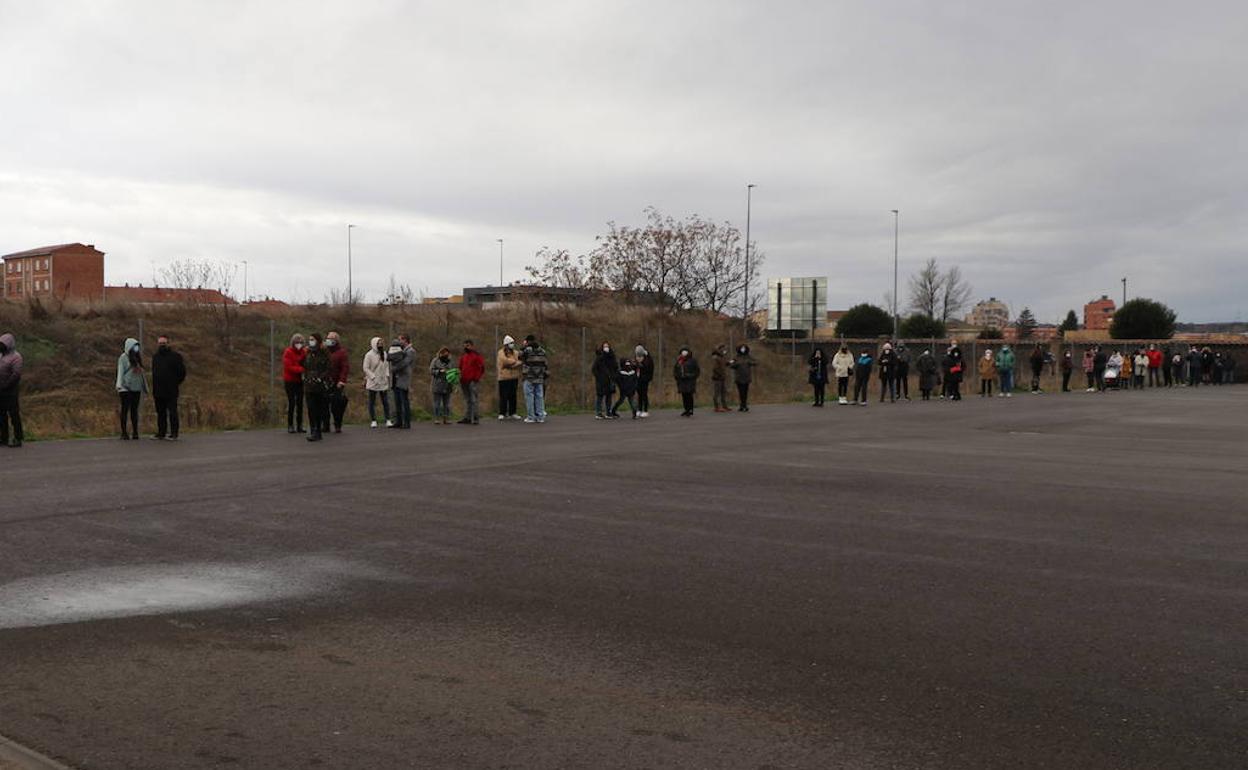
[298, 345]
[312, 344]
[606, 349]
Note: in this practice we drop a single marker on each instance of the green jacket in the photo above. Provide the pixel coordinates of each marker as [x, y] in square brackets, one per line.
[1005, 359]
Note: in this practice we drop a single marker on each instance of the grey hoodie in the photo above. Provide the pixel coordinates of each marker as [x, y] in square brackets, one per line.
[10, 364]
[129, 378]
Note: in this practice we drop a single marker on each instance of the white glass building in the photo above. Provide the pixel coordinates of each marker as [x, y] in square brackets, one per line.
[797, 304]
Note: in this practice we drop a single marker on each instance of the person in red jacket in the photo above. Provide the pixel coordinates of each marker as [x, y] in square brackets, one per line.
[339, 368]
[292, 378]
[471, 370]
[1155, 359]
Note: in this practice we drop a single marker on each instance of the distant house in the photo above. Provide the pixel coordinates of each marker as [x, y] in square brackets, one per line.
[492, 296]
[66, 271]
[159, 295]
[1098, 313]
[991, 313]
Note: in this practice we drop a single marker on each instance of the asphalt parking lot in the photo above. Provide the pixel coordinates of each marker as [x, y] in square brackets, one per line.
[1039, 582]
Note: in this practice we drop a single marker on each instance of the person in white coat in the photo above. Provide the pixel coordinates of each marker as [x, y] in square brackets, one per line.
[377, 381]
[842, 367]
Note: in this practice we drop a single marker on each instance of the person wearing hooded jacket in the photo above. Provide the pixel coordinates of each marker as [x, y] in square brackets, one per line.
[402, 358]
[10, 380]
[902, 380]
[1036, 359]
[685, 372]
[507, 368]
[168, 374]
[626, 381]
[743, 372]
[1004, 363]
[131, 385]
[927, 374]
[339, 371]
[606, 369]
[952, 369]
[842, 367]
[318, 384]
[645, 375]
[888, 371]
[862, 377]
[719, 379]
[440, 387]
[292, 380]
[376, 368]
[817, 376]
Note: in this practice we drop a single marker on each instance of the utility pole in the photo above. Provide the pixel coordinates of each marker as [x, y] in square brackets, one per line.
[895, 232]
[1124, 290]
[350, 286]
[244, 281]
[500, 263]
[745, 302]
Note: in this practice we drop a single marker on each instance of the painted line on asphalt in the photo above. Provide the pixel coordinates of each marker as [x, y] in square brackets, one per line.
[26, 759]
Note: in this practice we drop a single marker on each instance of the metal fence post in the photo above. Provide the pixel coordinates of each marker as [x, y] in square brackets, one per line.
[660, 366]
[272, 371]
[139, 432]
[583, 385]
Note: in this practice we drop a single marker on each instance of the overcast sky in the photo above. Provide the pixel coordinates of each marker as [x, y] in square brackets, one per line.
[1049, 149]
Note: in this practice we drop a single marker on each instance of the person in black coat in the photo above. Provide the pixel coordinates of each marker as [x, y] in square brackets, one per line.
[686, 372]
[168, 374]
[901, 383]
[1099, 361]
[818, 377]
[888, 371]
[645, 375]
[626, 379]
[606, 369]
[952, 365]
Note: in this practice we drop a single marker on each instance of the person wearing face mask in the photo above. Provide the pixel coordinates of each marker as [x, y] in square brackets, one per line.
[507, 367]
[686, 373]
[440, 386]
[471, 370]
[743, 370]
[817, 375]
[534, 369]
[862, 377]
[645, 375]
[888, 373]
[339, 370]
[292, 380]
[627, 382]
[168, 374]
[376, 369]
[719, 379]
[10, 379]
[987, 373]
[1068, 368]
[1005, 371]
[402, 358]
[318, 384]
[927, 374]
[131, 385]
[842, 367]
[952, 366]
[901, 382]
[605, 370]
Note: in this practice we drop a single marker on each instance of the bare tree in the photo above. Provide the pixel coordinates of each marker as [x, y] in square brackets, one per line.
[557, 267]
[927, 289]
[188, 274]
[955, 294]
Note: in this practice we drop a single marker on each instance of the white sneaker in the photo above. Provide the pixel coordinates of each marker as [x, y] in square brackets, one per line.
[1009, 395]
[516, 417]
[643, 414]
[373, 424]
[527, 419]
[502, 417]
[389, 423]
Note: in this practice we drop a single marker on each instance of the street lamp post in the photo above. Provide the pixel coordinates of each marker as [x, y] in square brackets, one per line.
[895, 233]
[745, 302]
[350, 285]
[1124, 290]
[244, 281]
[500, 262]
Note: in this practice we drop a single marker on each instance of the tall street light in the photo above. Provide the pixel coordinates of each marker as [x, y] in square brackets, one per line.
[745, 303]
[350, 286]
[500, 262]
[895, 232]
[1124, 290]
[244, 281]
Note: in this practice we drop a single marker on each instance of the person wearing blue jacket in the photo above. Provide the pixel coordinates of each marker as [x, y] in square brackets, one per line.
[862, 377]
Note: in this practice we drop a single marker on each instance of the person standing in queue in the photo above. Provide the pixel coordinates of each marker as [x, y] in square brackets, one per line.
[471, 370]
[507, 369]
[953, 371]
[10, 381]
[1037, 367]
[926, 365]
[686, 373]
[626, 380]
[719, 379]
[339, 371]
[1100, 360]
[605, 370]
[743, 372]
[1156, 362]
[888, 370]
[402, 358]
[645, 375]
[1089, 368]
[318, 385]
[292, 380]
[862, 377]
[1068, 368]
[902, 379]
[534, 371]
[440, 387]
[376, 368]
[842, 367]
[168, 374]
[818, 375]
[131, 385]
[1005, 371]
[987, 373]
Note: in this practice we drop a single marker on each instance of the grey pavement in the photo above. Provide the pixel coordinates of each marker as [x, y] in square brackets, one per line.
[1055, 581]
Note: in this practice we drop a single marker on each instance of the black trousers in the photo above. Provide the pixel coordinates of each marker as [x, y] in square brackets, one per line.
[861, 386]
[886, 388]
[337, 408]
[643, 396]
[507, 397]
[294, 405]
[820, 389]
[842, 387]
[1066, 381]
[10, 413]
[687, 400]
[1170, 375]
[130, 407]
[318, 413]
[1154, 377]
[901, 385]
[743, 396]
[166, 415]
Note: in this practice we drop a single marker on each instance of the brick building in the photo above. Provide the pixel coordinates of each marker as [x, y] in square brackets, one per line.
[1098, 313]
[991, 313]
[67, 271]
